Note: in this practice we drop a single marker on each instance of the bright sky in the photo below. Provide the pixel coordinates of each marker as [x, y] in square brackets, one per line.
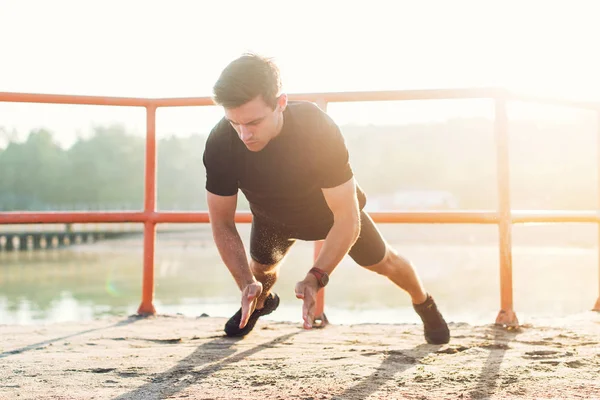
[177, 48]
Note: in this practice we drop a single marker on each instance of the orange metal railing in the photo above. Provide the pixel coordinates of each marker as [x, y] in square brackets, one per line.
[504, 217]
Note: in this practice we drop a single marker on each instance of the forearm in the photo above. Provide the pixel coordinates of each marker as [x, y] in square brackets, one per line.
[338, 242]
[232, 253]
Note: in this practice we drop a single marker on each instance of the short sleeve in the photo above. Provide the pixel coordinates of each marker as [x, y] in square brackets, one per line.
[221, 178]
[332, 158]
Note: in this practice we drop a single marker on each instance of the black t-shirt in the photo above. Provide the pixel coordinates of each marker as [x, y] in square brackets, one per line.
[283, 181]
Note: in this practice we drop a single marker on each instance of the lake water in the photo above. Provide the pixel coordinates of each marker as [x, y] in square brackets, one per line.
[554, 270]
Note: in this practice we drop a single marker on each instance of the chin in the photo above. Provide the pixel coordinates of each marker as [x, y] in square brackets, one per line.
[255, 147]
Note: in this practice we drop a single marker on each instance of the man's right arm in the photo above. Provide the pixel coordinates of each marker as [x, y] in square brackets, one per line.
[221, 178]
[221, 211]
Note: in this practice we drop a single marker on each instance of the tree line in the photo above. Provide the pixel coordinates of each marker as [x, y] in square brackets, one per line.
[102, 171]
[552, 167]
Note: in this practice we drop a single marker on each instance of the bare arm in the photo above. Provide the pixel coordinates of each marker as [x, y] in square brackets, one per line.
[346, 225]
[342, 235]
[222, 219]
[221, 210]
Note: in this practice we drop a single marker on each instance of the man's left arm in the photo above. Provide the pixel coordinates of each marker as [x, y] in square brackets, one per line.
[345, 230]
[346, 225]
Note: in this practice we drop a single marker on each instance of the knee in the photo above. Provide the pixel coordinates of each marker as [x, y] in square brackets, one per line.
[383, 266]
[392, 262]
[258, 268]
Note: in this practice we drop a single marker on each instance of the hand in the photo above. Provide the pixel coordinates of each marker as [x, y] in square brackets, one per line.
[250, 296]
[307, 291]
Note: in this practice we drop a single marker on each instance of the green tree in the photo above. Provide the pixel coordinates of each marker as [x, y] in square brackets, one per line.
[107, 169]
[30, 172]
[180, 173]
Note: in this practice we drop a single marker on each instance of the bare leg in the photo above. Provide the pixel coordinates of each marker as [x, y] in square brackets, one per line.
[394, 267]
[267, 275]
[400, 271]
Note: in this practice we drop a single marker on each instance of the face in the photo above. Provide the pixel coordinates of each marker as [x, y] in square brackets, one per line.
[256, 123]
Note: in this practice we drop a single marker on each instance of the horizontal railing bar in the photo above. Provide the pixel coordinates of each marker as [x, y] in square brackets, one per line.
[553, 101]
[73, 100]
[385, 95]
[487, 217]
[436, 217]
[411, 217]
[550, 216]
[71, 217]
[183, 102]
[391, 95]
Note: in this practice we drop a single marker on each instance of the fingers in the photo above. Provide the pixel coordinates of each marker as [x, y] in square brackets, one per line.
[308, 294]
[249, 299]
[247, 309]
[308, 312]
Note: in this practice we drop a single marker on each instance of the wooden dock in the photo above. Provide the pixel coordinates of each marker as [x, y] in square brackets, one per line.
[42, 240]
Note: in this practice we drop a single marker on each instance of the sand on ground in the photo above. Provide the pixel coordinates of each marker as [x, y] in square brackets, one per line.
[177, 357]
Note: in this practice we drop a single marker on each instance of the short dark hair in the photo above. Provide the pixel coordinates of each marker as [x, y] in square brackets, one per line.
[245, 78]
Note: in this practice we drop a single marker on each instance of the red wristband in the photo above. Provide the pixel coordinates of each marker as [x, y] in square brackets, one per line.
[322, 276]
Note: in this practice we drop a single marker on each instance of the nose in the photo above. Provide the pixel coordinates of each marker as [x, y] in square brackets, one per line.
[245, 133]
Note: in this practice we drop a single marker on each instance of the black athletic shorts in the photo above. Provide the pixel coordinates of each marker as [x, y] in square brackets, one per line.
[269, 241]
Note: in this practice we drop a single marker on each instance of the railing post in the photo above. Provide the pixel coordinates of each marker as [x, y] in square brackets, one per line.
[320, 318]
[507, 315]
[597, 305]
[147, 306]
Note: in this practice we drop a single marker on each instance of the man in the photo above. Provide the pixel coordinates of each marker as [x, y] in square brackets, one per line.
[291, 162]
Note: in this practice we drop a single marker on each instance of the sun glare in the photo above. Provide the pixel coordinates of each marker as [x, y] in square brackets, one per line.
[535, 47]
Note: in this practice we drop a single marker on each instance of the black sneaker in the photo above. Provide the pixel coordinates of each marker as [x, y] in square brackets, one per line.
[435, 327]
[232, 327]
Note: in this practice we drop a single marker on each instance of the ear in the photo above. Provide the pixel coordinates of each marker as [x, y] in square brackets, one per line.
[282, 101]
